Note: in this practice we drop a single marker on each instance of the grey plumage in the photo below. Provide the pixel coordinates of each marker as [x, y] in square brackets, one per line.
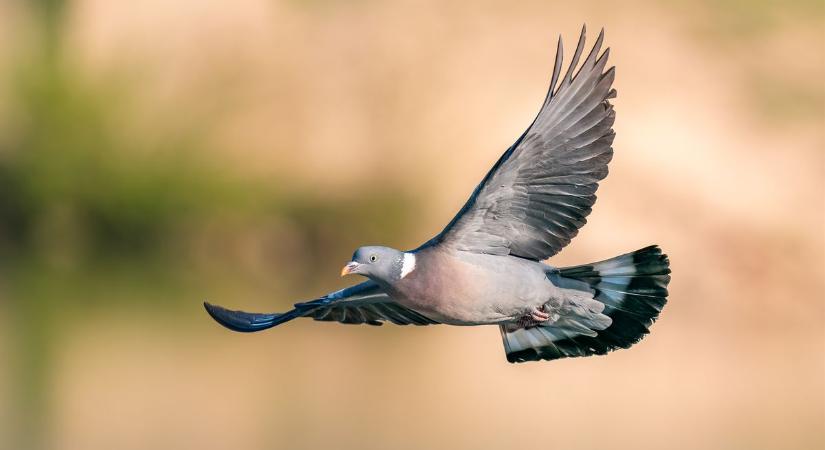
[485, 267]
[631, 290]
[537, 196]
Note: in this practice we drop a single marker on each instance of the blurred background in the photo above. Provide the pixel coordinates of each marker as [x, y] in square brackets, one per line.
[154, 154]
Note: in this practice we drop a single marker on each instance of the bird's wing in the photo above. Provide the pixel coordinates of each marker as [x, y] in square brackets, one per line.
[363, 303]
[536, 197]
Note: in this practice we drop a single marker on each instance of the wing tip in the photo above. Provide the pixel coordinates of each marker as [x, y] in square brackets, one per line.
[241, 321]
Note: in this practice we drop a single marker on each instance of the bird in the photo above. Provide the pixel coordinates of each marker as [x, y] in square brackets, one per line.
[487, 266]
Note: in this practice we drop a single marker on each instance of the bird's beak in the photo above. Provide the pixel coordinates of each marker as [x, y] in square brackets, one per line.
[349, 268]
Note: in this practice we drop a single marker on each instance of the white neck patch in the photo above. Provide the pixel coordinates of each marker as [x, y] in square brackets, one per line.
[408, 265]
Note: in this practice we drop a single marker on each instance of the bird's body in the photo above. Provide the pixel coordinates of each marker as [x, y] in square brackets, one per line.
[485, 267]
[462, 288]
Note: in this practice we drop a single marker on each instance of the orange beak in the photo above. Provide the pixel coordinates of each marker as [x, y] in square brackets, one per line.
[349, 268]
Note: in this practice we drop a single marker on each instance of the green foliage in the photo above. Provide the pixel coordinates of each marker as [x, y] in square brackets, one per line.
[67, 158]
[77, 188]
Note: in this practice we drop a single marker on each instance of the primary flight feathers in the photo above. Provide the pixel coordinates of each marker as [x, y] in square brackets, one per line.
[536, 197]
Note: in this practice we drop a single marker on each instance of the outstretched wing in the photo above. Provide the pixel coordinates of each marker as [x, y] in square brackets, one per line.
[536, 197]
[362, 303]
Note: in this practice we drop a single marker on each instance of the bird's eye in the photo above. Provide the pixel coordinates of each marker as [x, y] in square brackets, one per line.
[373, 258]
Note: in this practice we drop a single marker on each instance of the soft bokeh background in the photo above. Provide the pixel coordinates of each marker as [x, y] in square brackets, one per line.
[156, 153]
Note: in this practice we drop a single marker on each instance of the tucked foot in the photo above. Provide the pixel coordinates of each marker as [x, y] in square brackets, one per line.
[538, 315]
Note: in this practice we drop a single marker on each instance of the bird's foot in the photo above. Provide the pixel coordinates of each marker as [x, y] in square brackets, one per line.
[539, 315]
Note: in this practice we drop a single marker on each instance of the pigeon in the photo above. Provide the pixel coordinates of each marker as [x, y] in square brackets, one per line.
[487, 266]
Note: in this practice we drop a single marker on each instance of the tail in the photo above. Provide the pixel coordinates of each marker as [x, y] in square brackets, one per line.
[630, 289]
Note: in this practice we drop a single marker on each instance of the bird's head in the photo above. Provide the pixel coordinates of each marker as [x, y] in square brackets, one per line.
[382, 264]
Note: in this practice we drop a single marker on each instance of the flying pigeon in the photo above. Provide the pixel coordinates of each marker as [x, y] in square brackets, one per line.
[485, 267]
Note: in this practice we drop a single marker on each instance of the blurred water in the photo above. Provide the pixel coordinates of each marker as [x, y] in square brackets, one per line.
[153, 155]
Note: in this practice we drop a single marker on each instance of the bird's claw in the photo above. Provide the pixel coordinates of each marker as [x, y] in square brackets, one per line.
[539, 315]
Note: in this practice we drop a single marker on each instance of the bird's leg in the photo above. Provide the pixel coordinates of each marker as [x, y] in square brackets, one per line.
[539, 315]
[535, 317]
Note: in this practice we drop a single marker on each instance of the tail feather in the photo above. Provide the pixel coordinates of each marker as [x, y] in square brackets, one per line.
[633, 290]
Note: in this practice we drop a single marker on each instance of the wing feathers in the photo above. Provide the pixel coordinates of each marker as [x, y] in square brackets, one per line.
[556, 69]
[363, 303]
[568, 77]
[537, 196]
